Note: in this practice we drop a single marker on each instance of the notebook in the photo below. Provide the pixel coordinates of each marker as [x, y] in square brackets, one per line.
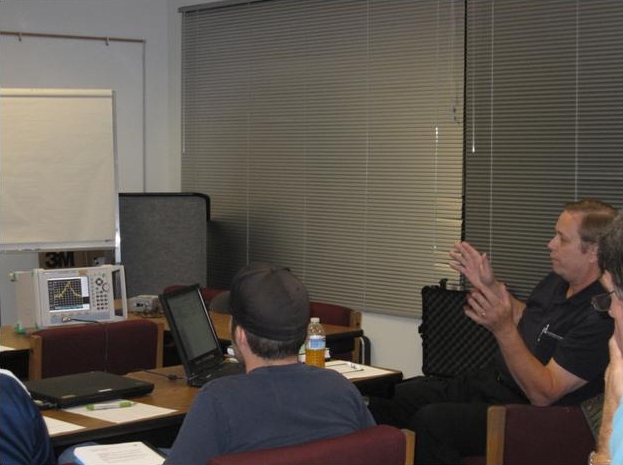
[84, 388]
[194, 336]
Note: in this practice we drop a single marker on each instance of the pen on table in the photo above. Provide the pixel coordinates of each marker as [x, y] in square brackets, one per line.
[336, 363]
[122, 404]
[355, 367]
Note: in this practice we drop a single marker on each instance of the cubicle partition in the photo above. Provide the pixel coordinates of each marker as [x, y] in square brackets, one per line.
[163, 240]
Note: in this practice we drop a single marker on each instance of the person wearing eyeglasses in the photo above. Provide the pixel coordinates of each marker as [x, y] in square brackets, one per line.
[609, 447]
[552, 349]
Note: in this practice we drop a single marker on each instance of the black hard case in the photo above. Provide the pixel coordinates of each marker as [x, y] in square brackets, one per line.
[452, 344]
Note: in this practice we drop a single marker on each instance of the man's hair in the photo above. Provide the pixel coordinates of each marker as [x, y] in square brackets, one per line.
[270, 349]
[611, 252]
[597, 215]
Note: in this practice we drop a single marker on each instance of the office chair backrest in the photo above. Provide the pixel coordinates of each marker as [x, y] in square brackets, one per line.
[118, 348]
[335, 314]
[378, 444]
[520, 434]
[339, 315]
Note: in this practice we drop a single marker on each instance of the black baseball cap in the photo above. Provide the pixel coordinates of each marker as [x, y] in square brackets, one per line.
[269, 301]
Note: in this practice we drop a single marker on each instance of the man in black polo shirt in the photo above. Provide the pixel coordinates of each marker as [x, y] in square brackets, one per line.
[552, 349]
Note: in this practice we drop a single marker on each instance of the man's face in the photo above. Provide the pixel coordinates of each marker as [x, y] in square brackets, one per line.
[616, 307]
[568, 258]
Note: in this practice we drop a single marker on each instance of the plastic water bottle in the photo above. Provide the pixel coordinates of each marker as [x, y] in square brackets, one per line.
[315, 344]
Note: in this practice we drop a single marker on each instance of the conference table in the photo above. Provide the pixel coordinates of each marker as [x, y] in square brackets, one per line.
[172, 394]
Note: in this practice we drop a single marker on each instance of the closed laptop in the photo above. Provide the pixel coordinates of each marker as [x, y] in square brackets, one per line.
[85, 388]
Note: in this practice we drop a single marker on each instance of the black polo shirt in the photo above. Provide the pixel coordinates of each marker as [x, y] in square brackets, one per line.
[570, 331]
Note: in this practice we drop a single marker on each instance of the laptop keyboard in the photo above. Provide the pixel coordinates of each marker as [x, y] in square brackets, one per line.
[223, 369]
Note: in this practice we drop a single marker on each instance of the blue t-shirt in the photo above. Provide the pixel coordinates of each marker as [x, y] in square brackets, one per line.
[24, 438]
[271, 406]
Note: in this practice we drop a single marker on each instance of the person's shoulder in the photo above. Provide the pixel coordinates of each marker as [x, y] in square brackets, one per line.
[594, 288]
[551, 284]
[11, 382]
[15, 397]
[594, 318]
[6, 374]
[225, 384]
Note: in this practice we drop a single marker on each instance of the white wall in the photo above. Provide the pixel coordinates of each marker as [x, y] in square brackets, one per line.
[135, 19]
[142, 98]
[395, 341]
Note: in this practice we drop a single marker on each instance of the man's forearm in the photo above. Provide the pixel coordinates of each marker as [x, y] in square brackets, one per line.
[534, 379]
[602, 448]
[518, 307]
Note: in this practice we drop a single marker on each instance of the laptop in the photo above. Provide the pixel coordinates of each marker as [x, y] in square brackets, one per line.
[85, 388]
[195, 338]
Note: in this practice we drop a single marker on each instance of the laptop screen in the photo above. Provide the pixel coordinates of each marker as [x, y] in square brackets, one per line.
[192, 330]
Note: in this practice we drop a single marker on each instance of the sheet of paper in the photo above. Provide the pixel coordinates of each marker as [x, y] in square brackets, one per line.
[126, 453]
[355, 370]
[344, 367]
[3, 348]
[136, 412]
[58, 426]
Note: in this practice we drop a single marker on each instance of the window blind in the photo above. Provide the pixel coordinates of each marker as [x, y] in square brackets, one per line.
[543, 123]
[329, 137]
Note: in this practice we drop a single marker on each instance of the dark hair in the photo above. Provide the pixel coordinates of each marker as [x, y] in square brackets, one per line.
[597, 215]
[611, 252]
[270, 349]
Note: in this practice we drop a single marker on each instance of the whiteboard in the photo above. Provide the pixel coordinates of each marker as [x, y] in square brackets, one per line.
[58, 183]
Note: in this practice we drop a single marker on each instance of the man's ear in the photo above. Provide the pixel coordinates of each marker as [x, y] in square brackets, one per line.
[593, 253]
[240, 336]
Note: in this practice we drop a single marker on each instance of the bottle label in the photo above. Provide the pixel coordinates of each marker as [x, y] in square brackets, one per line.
[316, 342]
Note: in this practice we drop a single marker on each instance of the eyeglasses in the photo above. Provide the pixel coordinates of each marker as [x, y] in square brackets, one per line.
[602, 302]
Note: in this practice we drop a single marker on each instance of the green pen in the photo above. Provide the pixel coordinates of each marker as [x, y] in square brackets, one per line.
[121, 404]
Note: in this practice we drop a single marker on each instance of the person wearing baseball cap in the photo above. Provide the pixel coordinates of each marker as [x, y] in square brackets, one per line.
[278, 401]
